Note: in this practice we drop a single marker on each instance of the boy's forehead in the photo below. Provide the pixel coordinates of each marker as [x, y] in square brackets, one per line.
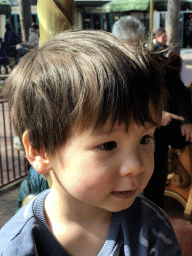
[110, 128]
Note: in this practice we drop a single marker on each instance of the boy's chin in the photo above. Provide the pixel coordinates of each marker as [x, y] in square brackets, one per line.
[121, 206]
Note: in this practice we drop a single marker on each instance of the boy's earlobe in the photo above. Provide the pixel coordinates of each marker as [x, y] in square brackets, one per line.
[39, 160]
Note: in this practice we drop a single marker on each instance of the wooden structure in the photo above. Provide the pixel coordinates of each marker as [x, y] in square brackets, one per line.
[179, 180]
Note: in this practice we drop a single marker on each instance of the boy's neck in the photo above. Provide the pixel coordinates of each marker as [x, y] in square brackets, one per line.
[79, 231]
[70, 209]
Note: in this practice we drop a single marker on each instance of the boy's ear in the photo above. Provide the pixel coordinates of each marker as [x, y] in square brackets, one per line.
[38, 159]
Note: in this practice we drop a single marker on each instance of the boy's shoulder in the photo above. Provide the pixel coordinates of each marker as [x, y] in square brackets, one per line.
[17, 235]
[148, 213]
[148, 205]
[146, 226]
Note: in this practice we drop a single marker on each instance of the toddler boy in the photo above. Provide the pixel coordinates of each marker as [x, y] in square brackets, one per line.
[86, 107]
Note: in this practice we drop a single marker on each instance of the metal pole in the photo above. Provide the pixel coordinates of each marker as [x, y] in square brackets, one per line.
[151, 24]
[173, 25]
[54, 16]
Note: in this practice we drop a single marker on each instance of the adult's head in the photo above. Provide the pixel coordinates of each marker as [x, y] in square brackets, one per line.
[8, 26]
[35, 26]
[129, 28]
[161, 36]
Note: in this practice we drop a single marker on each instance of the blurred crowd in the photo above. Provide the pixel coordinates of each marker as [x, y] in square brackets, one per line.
[11, 48]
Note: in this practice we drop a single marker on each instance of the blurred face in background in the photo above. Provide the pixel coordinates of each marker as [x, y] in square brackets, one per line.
[162, 39]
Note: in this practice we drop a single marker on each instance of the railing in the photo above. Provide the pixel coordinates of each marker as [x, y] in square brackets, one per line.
[13, 164]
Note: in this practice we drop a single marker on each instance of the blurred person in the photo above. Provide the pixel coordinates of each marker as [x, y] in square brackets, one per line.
[176, 61]
[163, 50]
[188, 31]
[174, 131]
[11, 39]
[160, 42]
[3, 56]
[33, 40]
[176, 121]
[129, 28]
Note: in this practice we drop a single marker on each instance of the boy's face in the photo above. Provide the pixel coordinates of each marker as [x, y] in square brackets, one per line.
[103, 168]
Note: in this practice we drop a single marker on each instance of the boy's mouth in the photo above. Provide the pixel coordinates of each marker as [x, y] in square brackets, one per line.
[124, 194]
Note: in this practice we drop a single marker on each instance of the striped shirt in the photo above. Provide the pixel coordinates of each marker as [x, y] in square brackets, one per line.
[142, 229]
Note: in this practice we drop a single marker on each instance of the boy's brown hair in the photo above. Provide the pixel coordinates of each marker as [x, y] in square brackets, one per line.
[159, 31]
[82, 78]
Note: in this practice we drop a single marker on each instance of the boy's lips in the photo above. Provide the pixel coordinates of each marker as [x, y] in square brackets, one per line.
[124, 194]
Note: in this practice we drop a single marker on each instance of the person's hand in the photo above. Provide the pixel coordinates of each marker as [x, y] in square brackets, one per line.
[186, 130]
[167, 118]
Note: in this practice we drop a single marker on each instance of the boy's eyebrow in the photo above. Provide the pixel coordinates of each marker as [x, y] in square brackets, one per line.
[151, 125]
[103, 131]
[110, 130]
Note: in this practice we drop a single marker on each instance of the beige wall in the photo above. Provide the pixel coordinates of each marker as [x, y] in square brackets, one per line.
[2, 25]
[77, 20]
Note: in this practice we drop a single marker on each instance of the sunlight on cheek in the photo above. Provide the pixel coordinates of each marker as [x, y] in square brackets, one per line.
[90, 187]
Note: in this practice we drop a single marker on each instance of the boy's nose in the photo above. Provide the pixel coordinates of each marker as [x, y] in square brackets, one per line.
[132, 165]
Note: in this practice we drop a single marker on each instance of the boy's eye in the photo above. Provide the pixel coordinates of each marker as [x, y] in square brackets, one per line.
[147, 139]
[108, 145]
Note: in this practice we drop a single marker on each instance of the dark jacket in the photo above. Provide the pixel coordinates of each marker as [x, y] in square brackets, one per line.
[3, 55]
[157, 47]
[11, 40]
[179, 103]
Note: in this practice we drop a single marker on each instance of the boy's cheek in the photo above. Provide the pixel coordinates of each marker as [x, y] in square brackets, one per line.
[90, 187]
